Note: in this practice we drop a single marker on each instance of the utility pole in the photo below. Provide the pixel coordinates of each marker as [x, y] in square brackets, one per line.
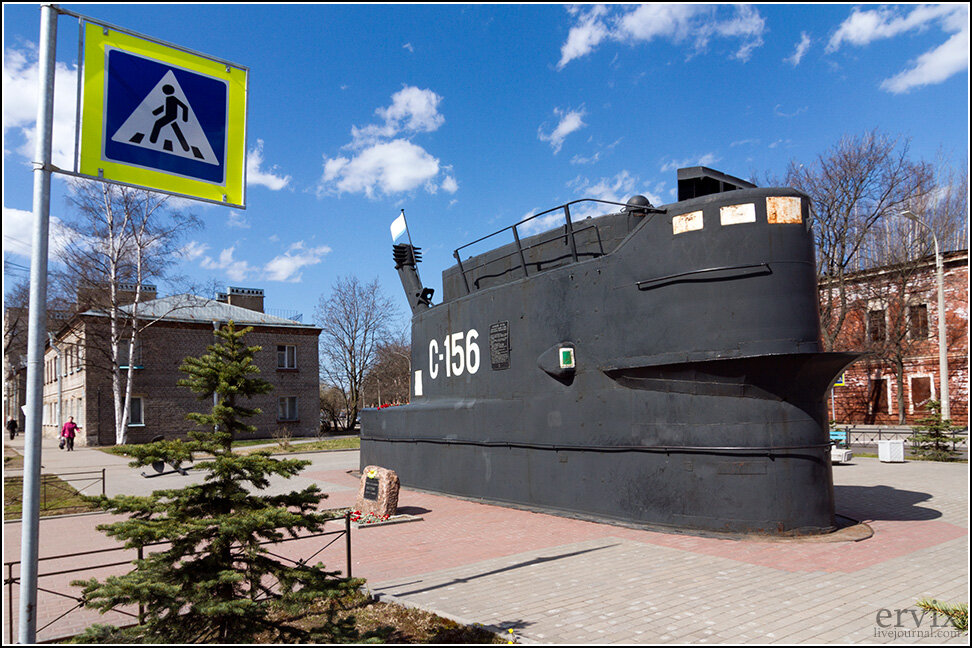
[37, 317]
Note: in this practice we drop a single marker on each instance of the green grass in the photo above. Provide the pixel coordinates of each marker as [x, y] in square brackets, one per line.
[351, 443]
[57, 497]
[908, 457]
[12, 459]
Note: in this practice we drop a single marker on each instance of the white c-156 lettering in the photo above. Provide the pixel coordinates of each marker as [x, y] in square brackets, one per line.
[460, 353]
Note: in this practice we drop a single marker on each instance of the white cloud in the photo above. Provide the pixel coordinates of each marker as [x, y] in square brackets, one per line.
[234, 269]
[584, 36]
[579, 159]
[255, 175]
[18, 233]
[799, 51]
[540, 224]
[570, 121]
[193, 250]
[450, 185]
[409, 47]
[381, 165]
[931, 67]
[705, 159]
[384, 168]
[20, 88]
[237, 219]
[616, 189]
[676, 23]
[864, 27]
[287, 266]
[777, 110]
[413, 110]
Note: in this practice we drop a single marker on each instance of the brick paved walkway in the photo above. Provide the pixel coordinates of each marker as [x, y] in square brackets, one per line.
[559, 580]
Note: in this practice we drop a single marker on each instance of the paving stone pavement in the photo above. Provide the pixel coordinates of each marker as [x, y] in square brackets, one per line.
[559, 580]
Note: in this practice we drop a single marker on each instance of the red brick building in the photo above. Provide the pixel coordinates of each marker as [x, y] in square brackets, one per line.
[893, 318]
[77, 381]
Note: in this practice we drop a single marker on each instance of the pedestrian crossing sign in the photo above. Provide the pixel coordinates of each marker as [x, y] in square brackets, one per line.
[162, 118]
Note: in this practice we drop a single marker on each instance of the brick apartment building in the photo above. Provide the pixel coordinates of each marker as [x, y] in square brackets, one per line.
[78, 383]
[893, 318]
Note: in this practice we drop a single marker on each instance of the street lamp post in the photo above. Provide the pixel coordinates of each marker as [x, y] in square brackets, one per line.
[942, 344]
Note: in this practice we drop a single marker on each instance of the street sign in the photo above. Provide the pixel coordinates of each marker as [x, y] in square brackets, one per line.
[840, 381]
[162, 118]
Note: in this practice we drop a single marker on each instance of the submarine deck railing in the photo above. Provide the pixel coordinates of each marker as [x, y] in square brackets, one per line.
[569, 231]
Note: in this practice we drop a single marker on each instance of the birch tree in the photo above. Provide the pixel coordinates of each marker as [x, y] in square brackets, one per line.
[119, 240]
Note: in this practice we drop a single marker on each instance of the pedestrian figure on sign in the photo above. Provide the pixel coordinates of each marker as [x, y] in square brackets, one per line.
[68, 432]
[171, 117]
[12, 427]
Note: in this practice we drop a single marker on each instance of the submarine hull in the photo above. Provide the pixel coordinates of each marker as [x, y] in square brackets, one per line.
[662, 370]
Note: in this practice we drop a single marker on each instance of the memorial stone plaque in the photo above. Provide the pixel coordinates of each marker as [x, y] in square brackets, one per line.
[371, 488]
[378, 491]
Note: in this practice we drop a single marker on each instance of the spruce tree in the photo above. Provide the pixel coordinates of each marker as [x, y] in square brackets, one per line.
[934, 436]
[213, 582]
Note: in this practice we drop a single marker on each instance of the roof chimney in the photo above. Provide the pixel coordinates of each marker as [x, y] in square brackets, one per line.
[250, 298]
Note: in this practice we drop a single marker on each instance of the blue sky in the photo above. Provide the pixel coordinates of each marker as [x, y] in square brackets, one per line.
[472, 117]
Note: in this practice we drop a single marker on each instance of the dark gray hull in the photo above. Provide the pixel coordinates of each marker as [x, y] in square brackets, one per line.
[696, 399]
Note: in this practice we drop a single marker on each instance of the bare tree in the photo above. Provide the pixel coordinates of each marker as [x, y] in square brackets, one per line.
[120, 240]
[355, 319]
[853, 186]
[332, 404]
[388, 381]
[15, 319]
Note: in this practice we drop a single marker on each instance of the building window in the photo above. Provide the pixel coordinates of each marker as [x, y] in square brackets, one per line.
[921, 392]
[286, 357]
[877, 396]
[287, 408]
[135, 414]
[123, 355]
[918, 322]
[877, 330]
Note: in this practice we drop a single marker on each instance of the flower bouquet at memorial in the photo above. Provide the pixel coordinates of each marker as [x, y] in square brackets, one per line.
[212, 579]
[368, 518]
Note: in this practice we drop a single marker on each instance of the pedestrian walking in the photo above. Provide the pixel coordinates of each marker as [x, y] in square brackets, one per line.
[12, 427]
[68, 432]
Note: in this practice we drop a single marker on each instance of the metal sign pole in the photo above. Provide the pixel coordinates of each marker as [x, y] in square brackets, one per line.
[37, 328]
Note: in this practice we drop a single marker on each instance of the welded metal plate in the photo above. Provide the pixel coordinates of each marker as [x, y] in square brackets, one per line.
[783, 210]
[687, 222]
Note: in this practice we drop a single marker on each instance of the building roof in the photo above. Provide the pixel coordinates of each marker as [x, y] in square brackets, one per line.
[192, 308]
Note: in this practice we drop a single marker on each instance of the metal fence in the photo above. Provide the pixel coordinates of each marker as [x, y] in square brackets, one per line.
[869, 436]
[57, 598]
[56, 488]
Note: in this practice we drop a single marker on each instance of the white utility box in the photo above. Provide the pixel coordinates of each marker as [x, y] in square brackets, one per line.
[891, 451]
[840, 455]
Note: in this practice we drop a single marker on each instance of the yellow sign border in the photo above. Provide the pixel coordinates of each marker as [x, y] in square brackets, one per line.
[91, 162]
